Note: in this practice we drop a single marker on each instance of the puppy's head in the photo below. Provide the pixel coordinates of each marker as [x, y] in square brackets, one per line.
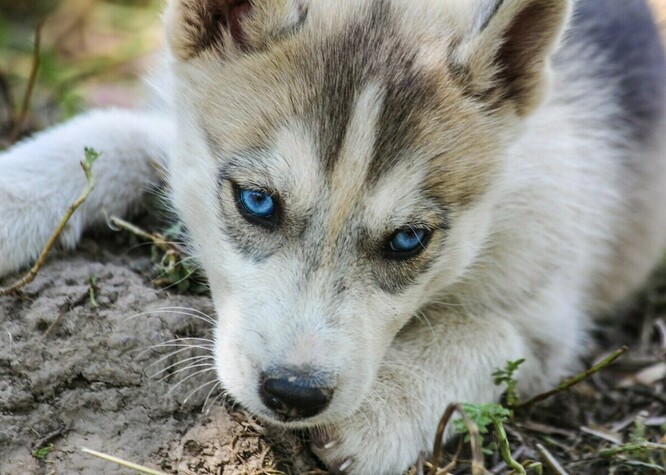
[337, 166]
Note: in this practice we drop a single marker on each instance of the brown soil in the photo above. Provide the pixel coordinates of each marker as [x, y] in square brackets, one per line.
[76, 372]
[76, 375]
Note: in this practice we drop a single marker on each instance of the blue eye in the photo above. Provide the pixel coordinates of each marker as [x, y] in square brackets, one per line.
[408, 242]
[257, 203]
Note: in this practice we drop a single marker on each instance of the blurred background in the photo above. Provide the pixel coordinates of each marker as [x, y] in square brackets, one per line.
[91, 53]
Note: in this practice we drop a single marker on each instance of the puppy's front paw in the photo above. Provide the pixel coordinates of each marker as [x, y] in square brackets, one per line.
[371, 443]
[326, 445]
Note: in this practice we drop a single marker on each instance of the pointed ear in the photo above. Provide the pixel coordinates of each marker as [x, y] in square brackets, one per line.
[197, 25]
[507, 52]
[225, 26]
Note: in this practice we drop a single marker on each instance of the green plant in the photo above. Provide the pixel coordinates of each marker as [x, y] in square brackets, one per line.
[507, 377]
[484, 416]
[487, 416]
[174, 267]
[42, 452]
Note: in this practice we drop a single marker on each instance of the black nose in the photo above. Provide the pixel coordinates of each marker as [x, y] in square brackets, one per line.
[294, 394]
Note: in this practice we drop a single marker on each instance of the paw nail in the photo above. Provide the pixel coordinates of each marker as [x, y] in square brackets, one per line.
[345, 465]
[330, 445]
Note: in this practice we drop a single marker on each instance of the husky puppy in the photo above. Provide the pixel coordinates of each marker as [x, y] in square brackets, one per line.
[390, 198]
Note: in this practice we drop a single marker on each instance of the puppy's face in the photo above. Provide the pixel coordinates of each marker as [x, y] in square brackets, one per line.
[337, 167]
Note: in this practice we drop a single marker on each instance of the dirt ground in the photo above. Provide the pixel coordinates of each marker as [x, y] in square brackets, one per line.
[79, 367]
[76, 372]
[87, 360]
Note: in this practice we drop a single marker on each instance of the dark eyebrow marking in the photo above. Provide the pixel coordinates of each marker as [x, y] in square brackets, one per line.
[370, 49]
[250, 160]
[350, 60]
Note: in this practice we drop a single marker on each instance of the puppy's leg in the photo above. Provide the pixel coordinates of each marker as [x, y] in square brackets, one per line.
[41, 177]
[449, 359]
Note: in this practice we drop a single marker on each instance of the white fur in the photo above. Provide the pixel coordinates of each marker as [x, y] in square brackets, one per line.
[522, 269]
[41, 177]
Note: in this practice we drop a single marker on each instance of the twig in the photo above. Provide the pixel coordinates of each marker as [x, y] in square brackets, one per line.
[121, 462]
[19, 122]
[569, 383]
[634, 447]
[420, 463]
[478, 467]
[454, 459]
[156, 239]
[92, 290]
[91, 156]
[505, 449]
[551, 461]
[47, 439]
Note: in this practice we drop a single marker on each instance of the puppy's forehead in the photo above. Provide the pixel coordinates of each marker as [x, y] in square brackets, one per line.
[358, 99]
[372, 49]
[294, 166]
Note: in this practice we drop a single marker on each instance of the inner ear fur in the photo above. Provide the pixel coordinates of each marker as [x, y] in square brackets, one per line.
[197, 25]
[227, 26]
[508, 56]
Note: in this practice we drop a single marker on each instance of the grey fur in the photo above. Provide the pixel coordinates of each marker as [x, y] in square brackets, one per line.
[625, 35]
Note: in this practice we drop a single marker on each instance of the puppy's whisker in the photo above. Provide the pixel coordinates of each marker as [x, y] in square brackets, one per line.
[167, 356]
[203, 318]
[365, 416]
[430, 382]
[149, 243]
[394, 385]
[224, 397]
[185, 340]
[190, 367]
[423, 318]
[193, 271]
[188, 309]
[410, 370]
[184, 346]
[218, 385]
[215, 382]
[187, 378]
[178, 363]
[180, 342]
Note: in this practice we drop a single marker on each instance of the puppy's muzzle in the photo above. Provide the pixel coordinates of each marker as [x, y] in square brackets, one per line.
[295, 394]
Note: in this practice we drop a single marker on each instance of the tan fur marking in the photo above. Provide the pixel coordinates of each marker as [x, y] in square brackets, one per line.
[349, 177]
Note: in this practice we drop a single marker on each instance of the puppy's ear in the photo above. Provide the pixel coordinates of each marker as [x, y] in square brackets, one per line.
[194, 26]
[227, 26]
[506, 54]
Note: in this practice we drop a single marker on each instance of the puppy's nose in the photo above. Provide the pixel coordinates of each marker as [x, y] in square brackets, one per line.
[294, 394]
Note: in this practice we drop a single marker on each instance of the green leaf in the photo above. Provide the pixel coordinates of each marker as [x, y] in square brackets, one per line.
[91, 156]
[507, 377]
[43, 452]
